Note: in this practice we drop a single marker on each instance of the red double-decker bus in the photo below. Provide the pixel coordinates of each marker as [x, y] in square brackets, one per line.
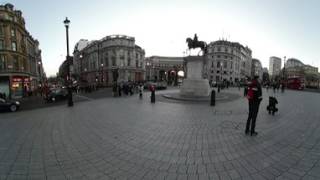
[295, 83]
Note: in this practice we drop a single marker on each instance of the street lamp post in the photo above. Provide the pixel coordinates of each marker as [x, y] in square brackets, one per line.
[221, 73]
[70, 102]
[39, 73]
[284, 68]
[102, 78]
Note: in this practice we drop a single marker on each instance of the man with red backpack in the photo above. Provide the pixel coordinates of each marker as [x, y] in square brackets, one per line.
[254, 96]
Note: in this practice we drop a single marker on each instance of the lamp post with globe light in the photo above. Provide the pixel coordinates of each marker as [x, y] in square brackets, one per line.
[70, 102]
[102, 77]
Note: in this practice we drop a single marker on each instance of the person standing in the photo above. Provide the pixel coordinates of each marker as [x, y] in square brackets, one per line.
[119, 90]
[140, 91]
[114, 89]
[153, 95]
[254, 97]
[282, 87]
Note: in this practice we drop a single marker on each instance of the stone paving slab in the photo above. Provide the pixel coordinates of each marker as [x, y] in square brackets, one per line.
[128, 138]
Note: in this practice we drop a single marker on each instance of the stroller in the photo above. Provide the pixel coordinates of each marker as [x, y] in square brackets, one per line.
[271, 108]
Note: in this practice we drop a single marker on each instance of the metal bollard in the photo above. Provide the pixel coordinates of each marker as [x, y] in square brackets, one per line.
[213, 98]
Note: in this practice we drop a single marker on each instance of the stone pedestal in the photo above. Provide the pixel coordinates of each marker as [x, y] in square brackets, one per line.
[195, 85]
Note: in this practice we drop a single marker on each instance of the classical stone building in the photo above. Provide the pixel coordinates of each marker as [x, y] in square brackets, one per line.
[256, 68]
[296, 68]
[21, 68]
[162, 68]
[113, 58]
[228, 62]
[293, 62]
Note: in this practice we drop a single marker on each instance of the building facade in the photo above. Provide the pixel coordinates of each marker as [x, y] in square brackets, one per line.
[228, 62]
[256, 68]
[20, 56]
[161, 68]
[274, 66]
[293, 62]
[114, 58]
[296, 68]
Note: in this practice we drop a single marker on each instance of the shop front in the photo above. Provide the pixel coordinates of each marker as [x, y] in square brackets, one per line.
[20, 86]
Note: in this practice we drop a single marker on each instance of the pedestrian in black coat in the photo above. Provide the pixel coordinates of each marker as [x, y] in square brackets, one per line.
[254, 97]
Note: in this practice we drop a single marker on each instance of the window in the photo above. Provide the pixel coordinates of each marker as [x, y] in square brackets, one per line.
[212, 64]
[219, 49]
[218, 56]
[231, 64]
[106, 61]
[25, 64]
[13, 32]
[226, 57]
[1, 44]
[129, 61]
[113, 61]
[218, 64]
[14, 46]
[1, 30]
[225, 64]
[137, 63]
[225, 49]
[3, 64]
[15, 63]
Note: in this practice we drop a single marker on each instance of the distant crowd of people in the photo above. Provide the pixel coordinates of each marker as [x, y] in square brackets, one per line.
[276, 86]
[127, 88]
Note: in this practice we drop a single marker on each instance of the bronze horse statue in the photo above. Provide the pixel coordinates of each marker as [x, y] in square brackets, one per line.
[194, 43]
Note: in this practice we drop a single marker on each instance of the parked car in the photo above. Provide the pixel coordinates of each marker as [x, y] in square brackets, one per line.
[57, 94]
[8, 105]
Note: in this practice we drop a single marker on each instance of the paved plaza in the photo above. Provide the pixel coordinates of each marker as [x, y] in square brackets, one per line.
[128, 138]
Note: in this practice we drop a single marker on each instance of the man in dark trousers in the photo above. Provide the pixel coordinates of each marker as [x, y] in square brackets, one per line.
[254, 97]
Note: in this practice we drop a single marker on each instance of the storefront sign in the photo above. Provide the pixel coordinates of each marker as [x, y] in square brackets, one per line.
[20, 79]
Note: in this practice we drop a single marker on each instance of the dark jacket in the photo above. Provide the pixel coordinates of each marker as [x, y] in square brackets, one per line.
[257, 91]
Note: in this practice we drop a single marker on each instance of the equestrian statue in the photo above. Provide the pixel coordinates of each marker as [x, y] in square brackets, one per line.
[195, 43]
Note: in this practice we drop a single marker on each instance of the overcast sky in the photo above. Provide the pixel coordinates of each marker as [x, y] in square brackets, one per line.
[269, 28]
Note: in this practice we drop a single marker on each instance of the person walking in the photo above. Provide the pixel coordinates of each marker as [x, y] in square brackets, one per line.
[282, 87]
[254, 97]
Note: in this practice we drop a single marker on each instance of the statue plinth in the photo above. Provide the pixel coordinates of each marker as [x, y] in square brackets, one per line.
[195, 85]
